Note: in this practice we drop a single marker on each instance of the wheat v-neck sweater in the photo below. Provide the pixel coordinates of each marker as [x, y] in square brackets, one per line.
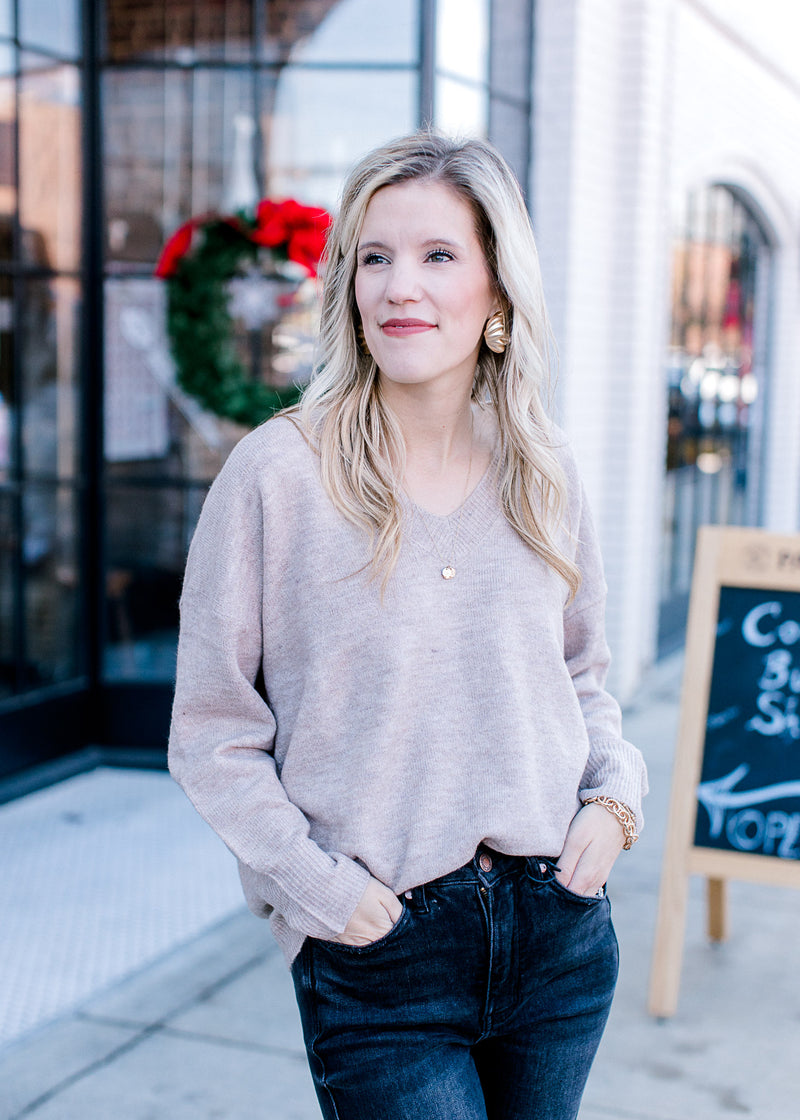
[326, 733]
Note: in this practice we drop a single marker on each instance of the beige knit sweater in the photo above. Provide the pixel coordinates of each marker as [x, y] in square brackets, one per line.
[324, 733]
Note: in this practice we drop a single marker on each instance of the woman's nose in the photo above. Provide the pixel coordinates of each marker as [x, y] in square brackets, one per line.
[403, 283]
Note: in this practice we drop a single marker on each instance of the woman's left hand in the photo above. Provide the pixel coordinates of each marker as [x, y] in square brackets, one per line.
[594, 840]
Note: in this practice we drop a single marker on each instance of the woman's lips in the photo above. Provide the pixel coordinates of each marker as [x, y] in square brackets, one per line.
[399, 328]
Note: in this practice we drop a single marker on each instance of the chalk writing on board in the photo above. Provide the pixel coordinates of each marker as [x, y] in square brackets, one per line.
[749, 793]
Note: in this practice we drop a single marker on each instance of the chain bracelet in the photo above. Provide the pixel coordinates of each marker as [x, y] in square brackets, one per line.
[623, 814]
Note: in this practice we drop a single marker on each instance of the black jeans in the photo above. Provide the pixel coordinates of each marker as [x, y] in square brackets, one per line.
[486, 1001]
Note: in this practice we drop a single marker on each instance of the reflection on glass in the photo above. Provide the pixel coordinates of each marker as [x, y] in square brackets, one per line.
[347, 31]
[187, 32]
[460, 110]
[169, 146]
[6, 430]
[321, 121]
[8, 194]
[51, 573]
[7, 394]
[6, 17]
[152, 428]
[148, 533]
[50, 25]
[7, 546]
[145, 118]
[50, 164]
[49, 338]
[219, 101]
[462, 38]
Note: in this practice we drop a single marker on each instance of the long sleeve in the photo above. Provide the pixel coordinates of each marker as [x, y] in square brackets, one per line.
[222, 735]
[615, 768]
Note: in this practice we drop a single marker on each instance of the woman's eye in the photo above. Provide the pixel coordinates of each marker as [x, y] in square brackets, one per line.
[440, 255]
[373, 258]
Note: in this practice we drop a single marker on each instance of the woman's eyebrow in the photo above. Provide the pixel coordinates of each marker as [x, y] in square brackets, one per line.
[446, 241]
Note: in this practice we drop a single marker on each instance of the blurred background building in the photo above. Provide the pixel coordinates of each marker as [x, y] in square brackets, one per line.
[657, 142]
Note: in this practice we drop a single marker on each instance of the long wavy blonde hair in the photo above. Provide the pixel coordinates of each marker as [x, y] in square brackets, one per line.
[357, 437]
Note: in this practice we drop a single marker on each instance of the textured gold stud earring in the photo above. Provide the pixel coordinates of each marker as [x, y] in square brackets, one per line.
[495, 333]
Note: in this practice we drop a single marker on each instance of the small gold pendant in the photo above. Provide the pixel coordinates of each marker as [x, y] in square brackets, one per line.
[448, 571]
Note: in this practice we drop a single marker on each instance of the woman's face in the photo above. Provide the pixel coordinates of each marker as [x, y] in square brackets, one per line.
[422, 285]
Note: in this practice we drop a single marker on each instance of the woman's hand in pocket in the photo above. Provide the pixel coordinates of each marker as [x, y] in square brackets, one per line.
[594, 840]
[377, 912]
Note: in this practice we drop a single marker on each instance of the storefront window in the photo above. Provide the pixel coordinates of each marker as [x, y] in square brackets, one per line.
[462, 38]
[200, 106]
[8, 584]
[717, 383]
[322, 121]
[461, 109]
[325, 82]
[350, 31]
[461, 97]
[51, 544]
[49, 163]
[49, 318]
[169, 153]
[50, 25]
[40, 348]
[8, 202]
[6, 18]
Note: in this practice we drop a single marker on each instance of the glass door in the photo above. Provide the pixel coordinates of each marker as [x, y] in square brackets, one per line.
[42, 591]
[717, 386]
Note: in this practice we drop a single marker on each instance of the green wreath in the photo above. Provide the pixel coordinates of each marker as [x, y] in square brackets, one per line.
[197, 263]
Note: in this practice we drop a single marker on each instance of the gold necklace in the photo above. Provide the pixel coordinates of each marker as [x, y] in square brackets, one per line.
[448, 570]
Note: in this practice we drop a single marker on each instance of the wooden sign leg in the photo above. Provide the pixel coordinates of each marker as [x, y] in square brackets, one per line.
[665, 976]
[717, 898]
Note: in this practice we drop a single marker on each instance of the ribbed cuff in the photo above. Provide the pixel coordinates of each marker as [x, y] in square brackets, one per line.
[620, 773]
[316, 895]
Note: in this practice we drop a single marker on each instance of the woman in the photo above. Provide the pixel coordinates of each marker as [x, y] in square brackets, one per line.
[390, 698]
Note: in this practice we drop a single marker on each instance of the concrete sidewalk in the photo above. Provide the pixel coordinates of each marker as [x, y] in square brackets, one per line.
[209, 1031]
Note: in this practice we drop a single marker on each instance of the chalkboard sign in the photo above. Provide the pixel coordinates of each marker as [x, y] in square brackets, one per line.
[735, 807]
[749, 791]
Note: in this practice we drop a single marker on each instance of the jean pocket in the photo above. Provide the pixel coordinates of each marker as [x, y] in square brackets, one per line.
[573, 896]
[372, 946]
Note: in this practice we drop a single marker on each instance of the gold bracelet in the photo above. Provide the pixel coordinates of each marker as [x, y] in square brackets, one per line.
[623, 814]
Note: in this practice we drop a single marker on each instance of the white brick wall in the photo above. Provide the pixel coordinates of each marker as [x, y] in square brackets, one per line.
[637, 102]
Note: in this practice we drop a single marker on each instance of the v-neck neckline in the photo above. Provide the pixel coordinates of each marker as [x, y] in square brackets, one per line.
[434, 533]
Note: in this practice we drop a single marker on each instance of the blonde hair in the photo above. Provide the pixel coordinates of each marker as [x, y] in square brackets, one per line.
[357, 437]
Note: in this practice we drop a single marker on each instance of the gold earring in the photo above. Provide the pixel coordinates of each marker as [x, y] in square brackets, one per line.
[362, 339]
[495, 332]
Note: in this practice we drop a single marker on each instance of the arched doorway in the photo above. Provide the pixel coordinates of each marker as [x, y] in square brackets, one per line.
[717, 385]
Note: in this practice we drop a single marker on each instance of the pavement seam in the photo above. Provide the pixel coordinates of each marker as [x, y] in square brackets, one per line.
[236, 1044]
[87, 1071]
[198, 1036]
[144, 1032]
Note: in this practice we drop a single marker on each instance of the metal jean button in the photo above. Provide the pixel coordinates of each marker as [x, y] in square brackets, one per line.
[485, 862]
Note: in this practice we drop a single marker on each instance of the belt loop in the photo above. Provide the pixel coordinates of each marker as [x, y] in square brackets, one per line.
[541, 868]
[417, 900]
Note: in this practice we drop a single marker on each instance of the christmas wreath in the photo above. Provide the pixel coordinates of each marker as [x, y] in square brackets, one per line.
[271, 252]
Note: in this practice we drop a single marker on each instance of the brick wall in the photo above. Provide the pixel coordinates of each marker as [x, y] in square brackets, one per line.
[636, 103]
